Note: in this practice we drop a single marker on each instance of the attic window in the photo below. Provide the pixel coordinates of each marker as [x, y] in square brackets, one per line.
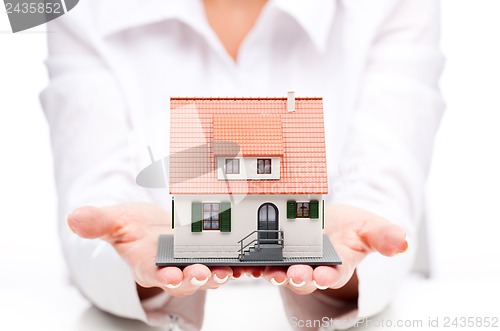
[232, 166]
[264, 166]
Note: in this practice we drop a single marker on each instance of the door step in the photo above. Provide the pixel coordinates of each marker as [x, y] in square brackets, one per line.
[266, 252]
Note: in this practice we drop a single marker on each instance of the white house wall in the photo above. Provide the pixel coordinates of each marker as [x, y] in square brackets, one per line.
[303, 237]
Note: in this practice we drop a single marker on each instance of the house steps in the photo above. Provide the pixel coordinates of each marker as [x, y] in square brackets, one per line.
[264, 252]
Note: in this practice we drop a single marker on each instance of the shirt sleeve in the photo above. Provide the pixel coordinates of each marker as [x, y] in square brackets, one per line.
[390, 146]
[89, 129]
[385, 162]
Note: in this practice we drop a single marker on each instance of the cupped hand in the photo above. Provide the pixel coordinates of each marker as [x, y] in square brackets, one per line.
[133, 230]
[355, 233]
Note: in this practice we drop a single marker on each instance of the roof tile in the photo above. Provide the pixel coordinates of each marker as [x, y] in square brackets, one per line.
[204, 127]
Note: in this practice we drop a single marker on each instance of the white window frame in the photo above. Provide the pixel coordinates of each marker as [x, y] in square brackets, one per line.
[229, 166]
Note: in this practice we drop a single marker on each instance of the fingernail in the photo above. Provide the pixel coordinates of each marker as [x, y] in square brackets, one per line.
[319, 287]
[172, 286]
[198, 283]
[275, 283]
[253, 276]
[297, 285]
[220, 280]
[235, 277]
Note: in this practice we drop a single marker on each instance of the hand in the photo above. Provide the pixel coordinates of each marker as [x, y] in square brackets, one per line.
[355, 233]
[133, 230]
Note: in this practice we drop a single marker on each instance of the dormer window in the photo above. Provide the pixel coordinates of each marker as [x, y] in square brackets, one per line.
[248, 168]
[264, 166]
[232, 166]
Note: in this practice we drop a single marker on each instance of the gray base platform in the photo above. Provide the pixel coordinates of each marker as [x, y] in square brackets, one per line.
[165, 257]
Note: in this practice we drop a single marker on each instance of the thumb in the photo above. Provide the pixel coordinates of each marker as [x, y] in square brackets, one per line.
[92, 222]
[385, 238]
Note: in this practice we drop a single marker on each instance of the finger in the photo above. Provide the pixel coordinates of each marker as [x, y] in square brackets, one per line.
[169, 277]
[254, 272]
[251, 271]
[194, 278]
[388, 239]
[325, 277]
[237, 272]
[91, 222]
[220, 276]
[276, 275]
[300, 279]
[108, 223]
[197, 274]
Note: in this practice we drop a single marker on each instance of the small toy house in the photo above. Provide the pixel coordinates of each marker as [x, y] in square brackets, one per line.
[247, 177]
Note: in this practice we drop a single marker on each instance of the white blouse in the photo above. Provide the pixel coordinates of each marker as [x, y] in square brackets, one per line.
[114, 64]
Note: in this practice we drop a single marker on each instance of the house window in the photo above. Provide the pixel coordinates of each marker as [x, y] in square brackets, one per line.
[302, 210]
[232, 166]
[211, 216]
[264, 166]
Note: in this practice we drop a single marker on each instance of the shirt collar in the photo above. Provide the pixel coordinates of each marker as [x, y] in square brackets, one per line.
[314, 16]
[135, 13]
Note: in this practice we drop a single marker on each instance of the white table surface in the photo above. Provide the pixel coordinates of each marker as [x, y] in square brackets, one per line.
[38, 296]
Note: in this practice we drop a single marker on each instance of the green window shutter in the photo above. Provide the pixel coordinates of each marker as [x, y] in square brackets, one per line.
[323, 213]
[225, 217]
[291, 209]
[173, 213]
[196, 216]
[314, 209]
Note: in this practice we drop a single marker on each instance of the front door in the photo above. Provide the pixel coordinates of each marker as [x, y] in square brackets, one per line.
[268, 220]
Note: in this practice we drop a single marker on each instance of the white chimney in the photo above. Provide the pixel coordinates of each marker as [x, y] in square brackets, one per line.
[290, 101]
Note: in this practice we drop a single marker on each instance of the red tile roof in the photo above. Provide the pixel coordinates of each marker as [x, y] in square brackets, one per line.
[203, 127]
[254, 134]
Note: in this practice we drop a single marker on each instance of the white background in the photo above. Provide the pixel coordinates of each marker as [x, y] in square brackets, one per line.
[463, 188]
